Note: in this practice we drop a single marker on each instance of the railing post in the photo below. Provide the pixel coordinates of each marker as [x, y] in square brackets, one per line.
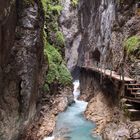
[101, 76]
[104, 70]
[123, 82]
[111, 68]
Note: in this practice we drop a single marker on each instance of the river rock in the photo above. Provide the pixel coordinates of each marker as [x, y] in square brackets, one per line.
[45, 124]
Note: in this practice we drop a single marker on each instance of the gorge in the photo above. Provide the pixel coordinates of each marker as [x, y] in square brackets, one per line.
[45, 45]
[71, 124]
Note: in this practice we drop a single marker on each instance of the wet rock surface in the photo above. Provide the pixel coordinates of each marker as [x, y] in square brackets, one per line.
[45, 121]
[70, 28]
[105, 25]
[105, 29]
[104, 108]
[96, 22]
[111, 122]
[21, 62]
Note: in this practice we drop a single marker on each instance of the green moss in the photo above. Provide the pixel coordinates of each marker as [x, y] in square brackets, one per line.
[55, 8]
[57, 69]
[44, 4]
[65, 76]
[46, 87]
[54, 42]
[60, 38]
[51, 6]
[52, 9]
[74, 3]
[132, 44]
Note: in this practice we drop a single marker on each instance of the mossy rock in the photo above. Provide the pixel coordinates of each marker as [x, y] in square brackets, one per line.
[44, 4]
[52, 10]
[60, 38]
[53, 46]
[57, 68]
[132, 45]
[74, 3]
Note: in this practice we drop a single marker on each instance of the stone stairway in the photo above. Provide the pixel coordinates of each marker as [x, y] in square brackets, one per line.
[132, 100]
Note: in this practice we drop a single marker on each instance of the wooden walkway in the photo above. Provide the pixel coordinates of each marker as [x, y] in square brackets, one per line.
[110, 73]
[131, 98]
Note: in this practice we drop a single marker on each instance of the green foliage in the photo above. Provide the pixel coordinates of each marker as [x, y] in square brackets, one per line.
[56, 8]
[57, 69]
[132, 44]
[46, 87]
[44, 4]
[53, 54]
[74, 3]
[60, 38]
[52, 9]
[65, 76]
[54, 41]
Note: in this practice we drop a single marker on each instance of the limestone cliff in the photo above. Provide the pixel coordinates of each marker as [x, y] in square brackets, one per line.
[70, 28]
[21, 61]
[108, 28]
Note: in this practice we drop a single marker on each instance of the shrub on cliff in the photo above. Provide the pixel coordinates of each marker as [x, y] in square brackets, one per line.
[57, 69]
[74, 3]
[52, 9]
[54, 42]
[132, 46]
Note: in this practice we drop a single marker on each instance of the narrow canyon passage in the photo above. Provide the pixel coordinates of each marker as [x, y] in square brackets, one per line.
[71, 124]
[45, 45]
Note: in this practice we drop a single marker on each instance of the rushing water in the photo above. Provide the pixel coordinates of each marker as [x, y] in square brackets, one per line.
[71, 124]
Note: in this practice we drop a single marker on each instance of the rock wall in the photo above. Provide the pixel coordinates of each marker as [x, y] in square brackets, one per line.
[96, 29]
[105, 25]
[45, 121]
[70, 28]
[21, 61]
[103, 94]
[92, 83]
